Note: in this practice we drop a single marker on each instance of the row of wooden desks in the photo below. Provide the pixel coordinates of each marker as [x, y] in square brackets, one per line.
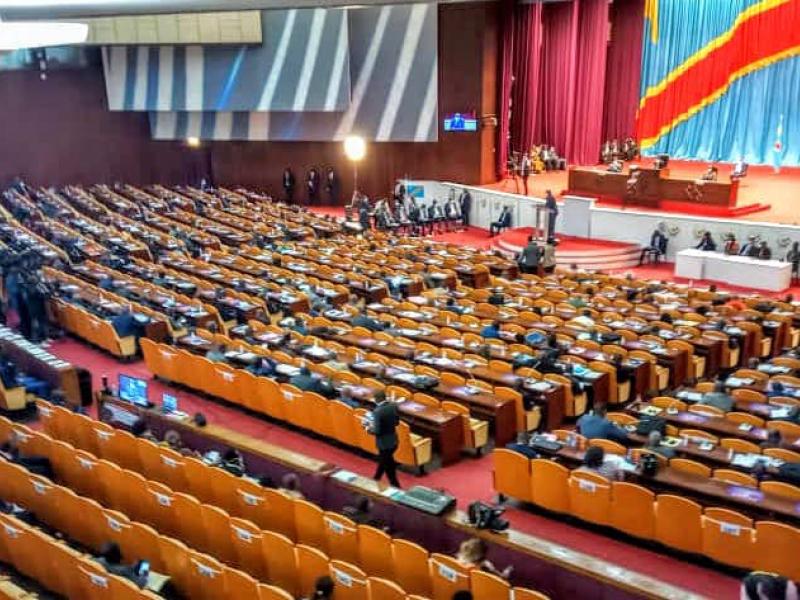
[444, 428]
[719, 426]
[752, 501]
[550, 396]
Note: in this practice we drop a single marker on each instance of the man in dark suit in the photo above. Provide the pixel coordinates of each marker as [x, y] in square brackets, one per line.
[288, 184]
[362, 319]
[332, 186]
[503, 222]
[385, 420]
[528, 260]
[525, 171]
[312, 186]
[305, 381]
[465, 200]
[552, 208]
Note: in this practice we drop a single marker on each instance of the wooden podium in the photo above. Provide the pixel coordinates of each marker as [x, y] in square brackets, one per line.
[650, 187]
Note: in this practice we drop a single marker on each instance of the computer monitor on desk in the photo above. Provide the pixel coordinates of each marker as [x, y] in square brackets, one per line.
[133, 390]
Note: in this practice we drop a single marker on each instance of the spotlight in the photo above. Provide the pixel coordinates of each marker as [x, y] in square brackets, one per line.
[193, 142]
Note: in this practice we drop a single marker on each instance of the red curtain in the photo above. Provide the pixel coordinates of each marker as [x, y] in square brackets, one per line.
[519, 87]
[623, 69]
[555, 55]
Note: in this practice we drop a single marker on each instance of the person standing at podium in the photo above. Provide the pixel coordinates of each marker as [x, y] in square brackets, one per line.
[552, 208]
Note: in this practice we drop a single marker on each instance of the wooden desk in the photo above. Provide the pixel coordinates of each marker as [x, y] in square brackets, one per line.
[76, 382]
[717, 425]
[654, 186]
[499, 412]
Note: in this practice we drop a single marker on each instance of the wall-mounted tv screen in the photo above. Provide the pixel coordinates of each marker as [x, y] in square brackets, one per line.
[461, 122]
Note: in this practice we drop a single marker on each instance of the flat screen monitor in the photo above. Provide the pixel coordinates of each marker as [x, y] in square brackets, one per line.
[133, 390]
[461, 122]
[169, 403]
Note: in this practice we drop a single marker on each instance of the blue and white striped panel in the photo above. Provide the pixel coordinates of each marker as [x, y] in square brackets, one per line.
[301, 65]
[393, 63]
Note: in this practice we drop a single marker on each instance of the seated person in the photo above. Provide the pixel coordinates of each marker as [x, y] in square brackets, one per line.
[707, 243]
[710, 174]
[750, 247]
[764, 251]
[346, 396]
[362, 319]
[497, 298]
[216, 353]
[528, 259]
[265, 367]
[39, 465]
[719, 398]
[739, 169]
[549, 256]
[472, 554]
[8, 374]
[731, 246]
[452, 306]
[111, 558]
[503, 222]
[654, 445]
[594, 424]
[625, 373]
[299, 326]
[657, 247]
[491, 331]
[290, 485]
[125, 323]
[793, 256]
[594, 461]
[305, 381]
[760, 585]
[323, 589]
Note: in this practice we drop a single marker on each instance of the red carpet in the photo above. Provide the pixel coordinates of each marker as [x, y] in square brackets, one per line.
[470, 479]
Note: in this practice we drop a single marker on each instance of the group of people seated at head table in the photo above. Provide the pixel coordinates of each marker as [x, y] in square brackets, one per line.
[752, 248]
[612, 150]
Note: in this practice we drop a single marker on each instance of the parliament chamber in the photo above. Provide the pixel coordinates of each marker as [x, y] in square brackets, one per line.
[399, 301]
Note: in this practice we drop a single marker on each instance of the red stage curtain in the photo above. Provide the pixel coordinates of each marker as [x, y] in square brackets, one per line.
[519, 88]
[586, 125]
[553, 78]
[623, 69]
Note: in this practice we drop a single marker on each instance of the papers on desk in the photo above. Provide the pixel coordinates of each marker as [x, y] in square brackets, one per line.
[690, 396]
[538, 385]
[344, 476]
[746, 460]
[287, 370]
[780, 413]
[651, 411]
[471, 390]
[771, 369]
[738, 381]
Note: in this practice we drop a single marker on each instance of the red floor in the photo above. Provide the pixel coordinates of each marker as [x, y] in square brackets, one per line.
[470, 479]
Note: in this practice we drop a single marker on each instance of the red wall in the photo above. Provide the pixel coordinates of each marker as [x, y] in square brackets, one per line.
[59, 130]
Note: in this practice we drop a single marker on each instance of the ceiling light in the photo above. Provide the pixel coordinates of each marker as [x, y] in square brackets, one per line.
[18, 35]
